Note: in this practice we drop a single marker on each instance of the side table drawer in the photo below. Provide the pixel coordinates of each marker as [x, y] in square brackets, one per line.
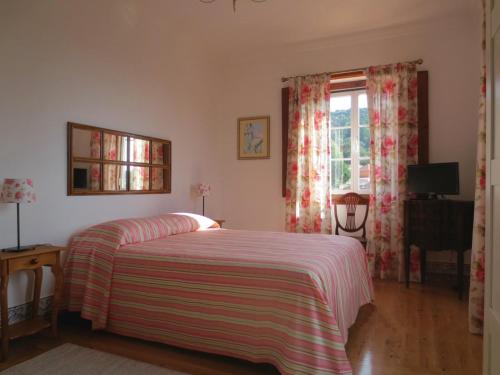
[31, 262]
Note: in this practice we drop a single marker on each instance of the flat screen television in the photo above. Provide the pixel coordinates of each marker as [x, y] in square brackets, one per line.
[433, 179]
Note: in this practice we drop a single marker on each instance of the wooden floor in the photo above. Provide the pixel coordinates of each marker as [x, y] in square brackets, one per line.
[421, 330]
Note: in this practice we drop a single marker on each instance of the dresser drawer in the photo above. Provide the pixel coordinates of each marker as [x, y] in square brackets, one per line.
[31, 262]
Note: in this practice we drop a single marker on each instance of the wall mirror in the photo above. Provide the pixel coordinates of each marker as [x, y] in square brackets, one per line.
[104, 161]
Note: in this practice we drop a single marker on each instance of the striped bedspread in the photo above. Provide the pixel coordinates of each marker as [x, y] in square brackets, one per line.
[281, 298]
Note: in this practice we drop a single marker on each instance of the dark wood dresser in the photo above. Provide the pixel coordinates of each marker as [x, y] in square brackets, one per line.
[435, 225]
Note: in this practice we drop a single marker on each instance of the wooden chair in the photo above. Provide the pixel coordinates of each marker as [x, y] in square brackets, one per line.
[351, 201]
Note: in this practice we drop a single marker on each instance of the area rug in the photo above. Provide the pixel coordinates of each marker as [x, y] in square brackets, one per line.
[77, 360]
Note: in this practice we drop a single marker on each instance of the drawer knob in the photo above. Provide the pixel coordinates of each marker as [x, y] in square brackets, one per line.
[34, 261]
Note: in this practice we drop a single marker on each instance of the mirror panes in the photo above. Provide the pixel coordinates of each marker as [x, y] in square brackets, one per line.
[139, 150]
[158, 153]
[86, 143]
[157, 178]
[115, 147]
[115, 177]
[104, 161]
[139, 178]
[86, 177]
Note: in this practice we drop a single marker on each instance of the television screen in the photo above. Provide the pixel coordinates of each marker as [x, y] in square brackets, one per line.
[436, 178]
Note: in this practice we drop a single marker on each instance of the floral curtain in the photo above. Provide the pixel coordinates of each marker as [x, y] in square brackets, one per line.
[139, 153]
[476, 292]
[308, 200]
[95, 152]
[392, 107]
[115, 148]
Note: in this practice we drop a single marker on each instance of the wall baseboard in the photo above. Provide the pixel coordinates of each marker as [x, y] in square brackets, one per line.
[23, 312]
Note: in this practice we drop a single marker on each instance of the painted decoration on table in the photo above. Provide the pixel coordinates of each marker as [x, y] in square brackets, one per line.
[253, 138]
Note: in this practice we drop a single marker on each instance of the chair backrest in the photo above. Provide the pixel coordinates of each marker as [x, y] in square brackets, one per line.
[351, 201]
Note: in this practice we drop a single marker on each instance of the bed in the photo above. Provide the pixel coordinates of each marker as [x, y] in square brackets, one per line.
[279, 298]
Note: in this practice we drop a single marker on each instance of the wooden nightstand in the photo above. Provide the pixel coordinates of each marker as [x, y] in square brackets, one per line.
[11, 262]
[220, 221]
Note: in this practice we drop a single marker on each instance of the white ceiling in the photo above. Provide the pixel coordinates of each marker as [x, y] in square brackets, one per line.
[277, 22]
[216, 29]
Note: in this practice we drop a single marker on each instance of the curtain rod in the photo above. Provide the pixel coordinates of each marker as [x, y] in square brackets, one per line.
[284, 79]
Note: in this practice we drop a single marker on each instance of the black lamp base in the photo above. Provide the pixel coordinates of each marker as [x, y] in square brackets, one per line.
[21, 248]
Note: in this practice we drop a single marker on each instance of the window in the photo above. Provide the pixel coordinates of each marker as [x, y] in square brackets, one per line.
[350, 142]
[352, 85]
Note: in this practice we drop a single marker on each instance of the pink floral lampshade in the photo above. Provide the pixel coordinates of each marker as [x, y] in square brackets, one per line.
[204, 190]
[18, 190]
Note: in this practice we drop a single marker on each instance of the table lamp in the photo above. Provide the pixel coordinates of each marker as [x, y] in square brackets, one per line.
[17, 190]
[203, 191]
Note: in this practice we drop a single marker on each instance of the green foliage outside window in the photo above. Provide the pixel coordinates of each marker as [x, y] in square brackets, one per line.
[341, 144]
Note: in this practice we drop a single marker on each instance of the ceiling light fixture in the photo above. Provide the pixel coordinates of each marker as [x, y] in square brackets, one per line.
[234, 2]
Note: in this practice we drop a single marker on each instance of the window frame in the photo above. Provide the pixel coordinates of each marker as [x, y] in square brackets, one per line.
[355, 127]
[423, 114]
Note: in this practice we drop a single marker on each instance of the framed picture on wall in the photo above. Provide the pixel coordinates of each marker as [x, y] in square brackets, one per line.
[254, 138]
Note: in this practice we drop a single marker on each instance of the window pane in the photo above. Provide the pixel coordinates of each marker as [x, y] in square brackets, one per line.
[341, 143]
[340, 111]
[139, 150]
[341, 174]
[115, 177]
[364, 174]
[115, 147]
[363, 109]
[139, 178]
[364, 142]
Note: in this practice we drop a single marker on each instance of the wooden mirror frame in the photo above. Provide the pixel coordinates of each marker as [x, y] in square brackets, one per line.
[72, 159]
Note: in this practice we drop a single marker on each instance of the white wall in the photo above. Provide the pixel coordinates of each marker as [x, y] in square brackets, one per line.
[76, 61]
[450, 49]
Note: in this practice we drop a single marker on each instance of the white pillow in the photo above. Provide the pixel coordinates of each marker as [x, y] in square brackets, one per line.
[203, 221]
